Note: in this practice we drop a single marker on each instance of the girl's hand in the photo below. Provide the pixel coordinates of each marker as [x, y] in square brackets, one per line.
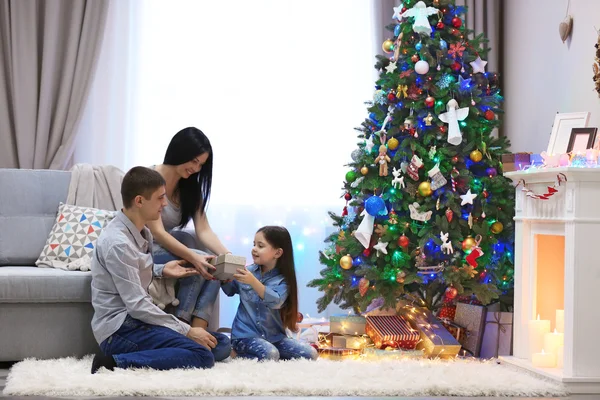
[203, 265]
[244, 276]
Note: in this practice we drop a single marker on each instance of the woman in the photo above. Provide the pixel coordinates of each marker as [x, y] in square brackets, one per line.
[187, 170]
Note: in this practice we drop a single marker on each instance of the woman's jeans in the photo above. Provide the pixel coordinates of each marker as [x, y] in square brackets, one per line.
[196, 295]
[138, 345]
[285, 349]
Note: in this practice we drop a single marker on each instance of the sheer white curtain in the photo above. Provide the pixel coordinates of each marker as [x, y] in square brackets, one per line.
[277, 86]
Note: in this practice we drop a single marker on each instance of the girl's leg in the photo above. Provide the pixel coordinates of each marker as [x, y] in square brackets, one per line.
[255, 348]
[290, 349]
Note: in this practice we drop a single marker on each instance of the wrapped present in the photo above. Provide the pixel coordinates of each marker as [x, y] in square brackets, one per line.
[447, 312]
[468, 300]
[472, 318]
[347, 341]
[226, 265]
[457, 331]
[347, 324]
[337, 353]
[515, 162]
[435, 340]
[497, 335]
[391, 330]
[372, 353]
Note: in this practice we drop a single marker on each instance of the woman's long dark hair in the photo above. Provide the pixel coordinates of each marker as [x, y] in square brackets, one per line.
[279, 238]
[193, 192]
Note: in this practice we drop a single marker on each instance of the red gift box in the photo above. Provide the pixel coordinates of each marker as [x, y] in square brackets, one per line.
[447, 312]
[391, 330]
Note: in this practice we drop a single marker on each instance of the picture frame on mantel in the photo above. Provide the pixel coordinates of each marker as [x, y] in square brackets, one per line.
[582, 139]
[561, 130]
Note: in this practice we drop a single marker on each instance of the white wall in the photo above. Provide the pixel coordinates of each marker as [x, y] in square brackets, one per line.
[543, 75]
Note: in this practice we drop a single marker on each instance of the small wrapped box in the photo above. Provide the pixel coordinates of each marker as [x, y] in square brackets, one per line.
[336, 353]
[391, 330]
[447, 312]
[371, 353]
[515, 162]
[435, 340]
[497, 335]
[457, 331]
[472, 318]
[348, 341]
[226, 265]
[347, 324]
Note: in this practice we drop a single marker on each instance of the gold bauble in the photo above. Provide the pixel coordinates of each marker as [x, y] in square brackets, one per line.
[388, 46]
[364, 170]
[392, 144]
[497, 227]
[476, 156]
[468, 243]
[346, 262]
[425, 189]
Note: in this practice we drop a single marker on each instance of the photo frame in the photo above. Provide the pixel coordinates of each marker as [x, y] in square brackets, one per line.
[582, 139]
[561, 130]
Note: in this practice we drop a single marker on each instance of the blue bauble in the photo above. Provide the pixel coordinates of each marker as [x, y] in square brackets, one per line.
[397, 30]
[373, 117]
[418, 46]
[375, 206]
[443, 44]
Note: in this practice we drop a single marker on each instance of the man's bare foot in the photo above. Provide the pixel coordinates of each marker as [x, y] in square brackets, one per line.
[233, 354]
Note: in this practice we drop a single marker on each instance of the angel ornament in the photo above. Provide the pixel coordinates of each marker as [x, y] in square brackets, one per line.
[451, 117]
[420, 12]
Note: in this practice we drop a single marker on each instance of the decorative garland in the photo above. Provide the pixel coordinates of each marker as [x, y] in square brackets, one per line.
[551, 189]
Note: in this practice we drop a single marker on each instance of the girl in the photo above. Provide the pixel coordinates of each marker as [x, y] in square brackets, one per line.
[187, 170]
[268, 301]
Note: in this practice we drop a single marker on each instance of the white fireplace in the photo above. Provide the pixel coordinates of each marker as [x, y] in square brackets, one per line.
[557, 267]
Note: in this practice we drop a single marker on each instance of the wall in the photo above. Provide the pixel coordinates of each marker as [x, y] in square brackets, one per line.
[543, 75]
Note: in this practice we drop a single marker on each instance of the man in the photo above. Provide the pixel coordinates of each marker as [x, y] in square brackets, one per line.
[131, 330]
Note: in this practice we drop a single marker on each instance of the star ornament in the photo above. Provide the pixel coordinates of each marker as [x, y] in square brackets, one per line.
[467, 198]
[381, 247]
[464, 85]
[397, 12]
[391, 67]
[478, 65]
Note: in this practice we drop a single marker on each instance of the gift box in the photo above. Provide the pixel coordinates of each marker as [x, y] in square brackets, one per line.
[472, 318]
[434, 338]
[347, 341]
[226, 265]
[337, 353]
[372, 353]
[457, 331]
[515, 162]
[447, 312]
[497, 335]
[347, 324]
[391, 330]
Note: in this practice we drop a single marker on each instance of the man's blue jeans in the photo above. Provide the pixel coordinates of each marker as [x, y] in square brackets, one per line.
[137, 345]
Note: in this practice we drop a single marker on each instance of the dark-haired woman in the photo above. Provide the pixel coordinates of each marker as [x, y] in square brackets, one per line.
[187, 170]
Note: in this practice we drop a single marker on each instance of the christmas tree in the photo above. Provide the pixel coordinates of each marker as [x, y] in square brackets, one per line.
[428, 211]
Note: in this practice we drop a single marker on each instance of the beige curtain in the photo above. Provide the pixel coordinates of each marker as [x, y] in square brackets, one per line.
[49, 53]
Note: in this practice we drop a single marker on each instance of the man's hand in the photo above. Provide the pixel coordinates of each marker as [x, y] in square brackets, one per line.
[176, 269]
[203, 265]
[201, 336]
[245, 276]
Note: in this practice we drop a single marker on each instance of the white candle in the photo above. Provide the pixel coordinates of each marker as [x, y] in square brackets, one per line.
[560, 321]
[560, 356]
[543, 360]
[552, 341]
[537, 329]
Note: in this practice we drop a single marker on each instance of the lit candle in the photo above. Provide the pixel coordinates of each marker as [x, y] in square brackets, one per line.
[564, 160]
[537, 329]
[560, 356]
[560, 321]
[552, 341]
[543, 360]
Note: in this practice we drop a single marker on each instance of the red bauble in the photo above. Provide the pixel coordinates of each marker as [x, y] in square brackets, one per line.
[403, 241]
[449, 215]
[300, 317]
[456, 22]
[391, 97]
[367, 252]
[348, 196]
[485, 194]
[454, 159]
[443, 129]
[403, 10]
[345, 211]
[451, 292]
[489, 115]
[429, 101]
[440, 25]
[455, 66]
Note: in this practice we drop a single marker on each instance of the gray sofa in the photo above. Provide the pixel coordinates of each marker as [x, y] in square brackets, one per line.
[44, 312]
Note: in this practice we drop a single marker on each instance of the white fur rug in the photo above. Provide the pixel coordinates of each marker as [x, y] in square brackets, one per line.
[71, 377]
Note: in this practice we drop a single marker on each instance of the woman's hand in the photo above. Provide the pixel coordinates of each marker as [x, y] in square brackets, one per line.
[203, 265]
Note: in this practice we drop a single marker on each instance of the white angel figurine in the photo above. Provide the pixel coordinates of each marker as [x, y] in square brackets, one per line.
[451, 117]
[420, 12]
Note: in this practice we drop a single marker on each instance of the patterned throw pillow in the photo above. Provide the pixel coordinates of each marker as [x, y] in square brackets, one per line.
[73, 237]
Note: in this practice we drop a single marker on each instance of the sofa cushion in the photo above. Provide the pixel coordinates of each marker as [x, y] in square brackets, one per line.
[73, 237]
[28, 203]
[19, 284]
